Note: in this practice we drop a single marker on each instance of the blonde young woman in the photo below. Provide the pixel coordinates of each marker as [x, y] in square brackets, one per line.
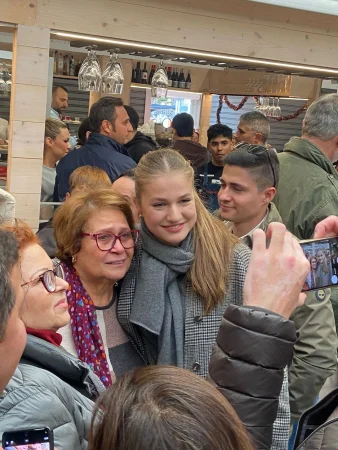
[324, 270]
[56, 146]
[189, 269]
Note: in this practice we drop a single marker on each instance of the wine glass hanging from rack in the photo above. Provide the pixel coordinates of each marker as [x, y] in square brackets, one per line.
[90, 77]
[113, 78]
[160, 82]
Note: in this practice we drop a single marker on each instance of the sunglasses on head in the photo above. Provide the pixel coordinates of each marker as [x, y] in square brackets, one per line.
[260, 150]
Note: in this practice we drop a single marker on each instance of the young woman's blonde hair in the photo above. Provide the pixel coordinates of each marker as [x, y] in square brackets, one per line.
[53, 128]
[213, 242]
[71, 217]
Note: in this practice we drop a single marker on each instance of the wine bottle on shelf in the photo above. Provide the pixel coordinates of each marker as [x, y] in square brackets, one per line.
[153, 67]
[144, 74]
[181, 81]
[133, 74]
[72, 66]
[188, 81]
[138, 72]
[66, 65]
[60, 64]
[77, 68]
[174, 79]
[170, 83]
[55, 61]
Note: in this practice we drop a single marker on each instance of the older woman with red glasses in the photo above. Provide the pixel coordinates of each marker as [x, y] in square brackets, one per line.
[95, 238]
[51, 387]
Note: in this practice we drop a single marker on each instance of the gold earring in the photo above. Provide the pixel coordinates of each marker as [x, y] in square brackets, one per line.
[73, 259]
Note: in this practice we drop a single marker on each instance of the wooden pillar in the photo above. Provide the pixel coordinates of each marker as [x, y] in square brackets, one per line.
[27, 120]
[315, 93]
[205, 118]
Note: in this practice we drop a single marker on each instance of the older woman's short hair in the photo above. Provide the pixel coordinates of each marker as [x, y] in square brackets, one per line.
[23, 233]
[71, 217]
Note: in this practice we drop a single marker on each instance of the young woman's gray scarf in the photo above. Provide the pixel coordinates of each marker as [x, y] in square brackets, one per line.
[159, 301]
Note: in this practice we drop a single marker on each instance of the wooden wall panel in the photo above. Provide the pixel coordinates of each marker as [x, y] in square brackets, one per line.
[27, 207]
[34, 37]
[27, 120]
[29, 103]
[205, 118]
[27, 139]
[200, 29]
[19, 11]
[238, 27]
[26, 175]
[32, 66]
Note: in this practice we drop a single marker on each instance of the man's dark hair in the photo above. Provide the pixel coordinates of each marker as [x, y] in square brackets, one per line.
[133, 116]
[219, 130]
[130, 173]
[104, 109]
[257, 122]
[9, 255]
[183, 124]
[82, 131]
[57, 86]
[260, 161]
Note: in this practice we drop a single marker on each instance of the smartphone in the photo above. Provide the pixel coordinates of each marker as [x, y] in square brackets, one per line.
[34, 439]
[323, 257]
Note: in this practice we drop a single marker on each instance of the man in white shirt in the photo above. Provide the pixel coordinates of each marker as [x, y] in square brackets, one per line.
[59, 104]
[59, 101]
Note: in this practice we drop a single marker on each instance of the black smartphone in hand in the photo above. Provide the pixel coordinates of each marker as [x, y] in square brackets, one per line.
[33, 439]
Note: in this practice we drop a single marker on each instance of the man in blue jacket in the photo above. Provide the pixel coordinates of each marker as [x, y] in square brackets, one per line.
[111, 129]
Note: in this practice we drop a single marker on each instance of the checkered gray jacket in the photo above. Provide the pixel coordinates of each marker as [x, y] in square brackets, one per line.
[201, 330]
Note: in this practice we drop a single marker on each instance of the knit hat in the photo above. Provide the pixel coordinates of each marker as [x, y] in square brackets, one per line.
[7, 207]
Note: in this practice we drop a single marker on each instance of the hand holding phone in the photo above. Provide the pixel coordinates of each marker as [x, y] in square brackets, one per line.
[33, 439]
[276, 272]
[327, 228]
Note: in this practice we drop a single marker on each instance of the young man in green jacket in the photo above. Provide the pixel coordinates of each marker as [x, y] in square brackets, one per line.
[248, 186]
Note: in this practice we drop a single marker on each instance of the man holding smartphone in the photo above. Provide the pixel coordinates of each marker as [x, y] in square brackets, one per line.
[248, 186]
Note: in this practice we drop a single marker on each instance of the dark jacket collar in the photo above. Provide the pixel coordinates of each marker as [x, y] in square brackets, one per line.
[100, 140]
[307, 150]
[70, 369]
[140, 137]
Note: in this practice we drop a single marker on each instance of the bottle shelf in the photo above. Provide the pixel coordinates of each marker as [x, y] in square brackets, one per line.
[147, 86]
[68, 77]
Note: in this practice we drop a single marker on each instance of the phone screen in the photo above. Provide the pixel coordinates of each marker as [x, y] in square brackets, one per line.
[37, 439]
[323, 257]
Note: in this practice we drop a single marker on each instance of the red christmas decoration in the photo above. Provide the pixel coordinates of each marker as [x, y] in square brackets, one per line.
[224, 99]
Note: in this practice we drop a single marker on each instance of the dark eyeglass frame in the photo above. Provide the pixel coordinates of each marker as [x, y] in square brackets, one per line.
[117, 237]
[57, 271]
[259, 150]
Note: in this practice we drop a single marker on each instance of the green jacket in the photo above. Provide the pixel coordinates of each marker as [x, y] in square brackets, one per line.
[308, 187]
[314, 356]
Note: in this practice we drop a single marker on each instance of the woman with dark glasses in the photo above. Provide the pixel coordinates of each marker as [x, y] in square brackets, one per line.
[95, 238]
[59, 396]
